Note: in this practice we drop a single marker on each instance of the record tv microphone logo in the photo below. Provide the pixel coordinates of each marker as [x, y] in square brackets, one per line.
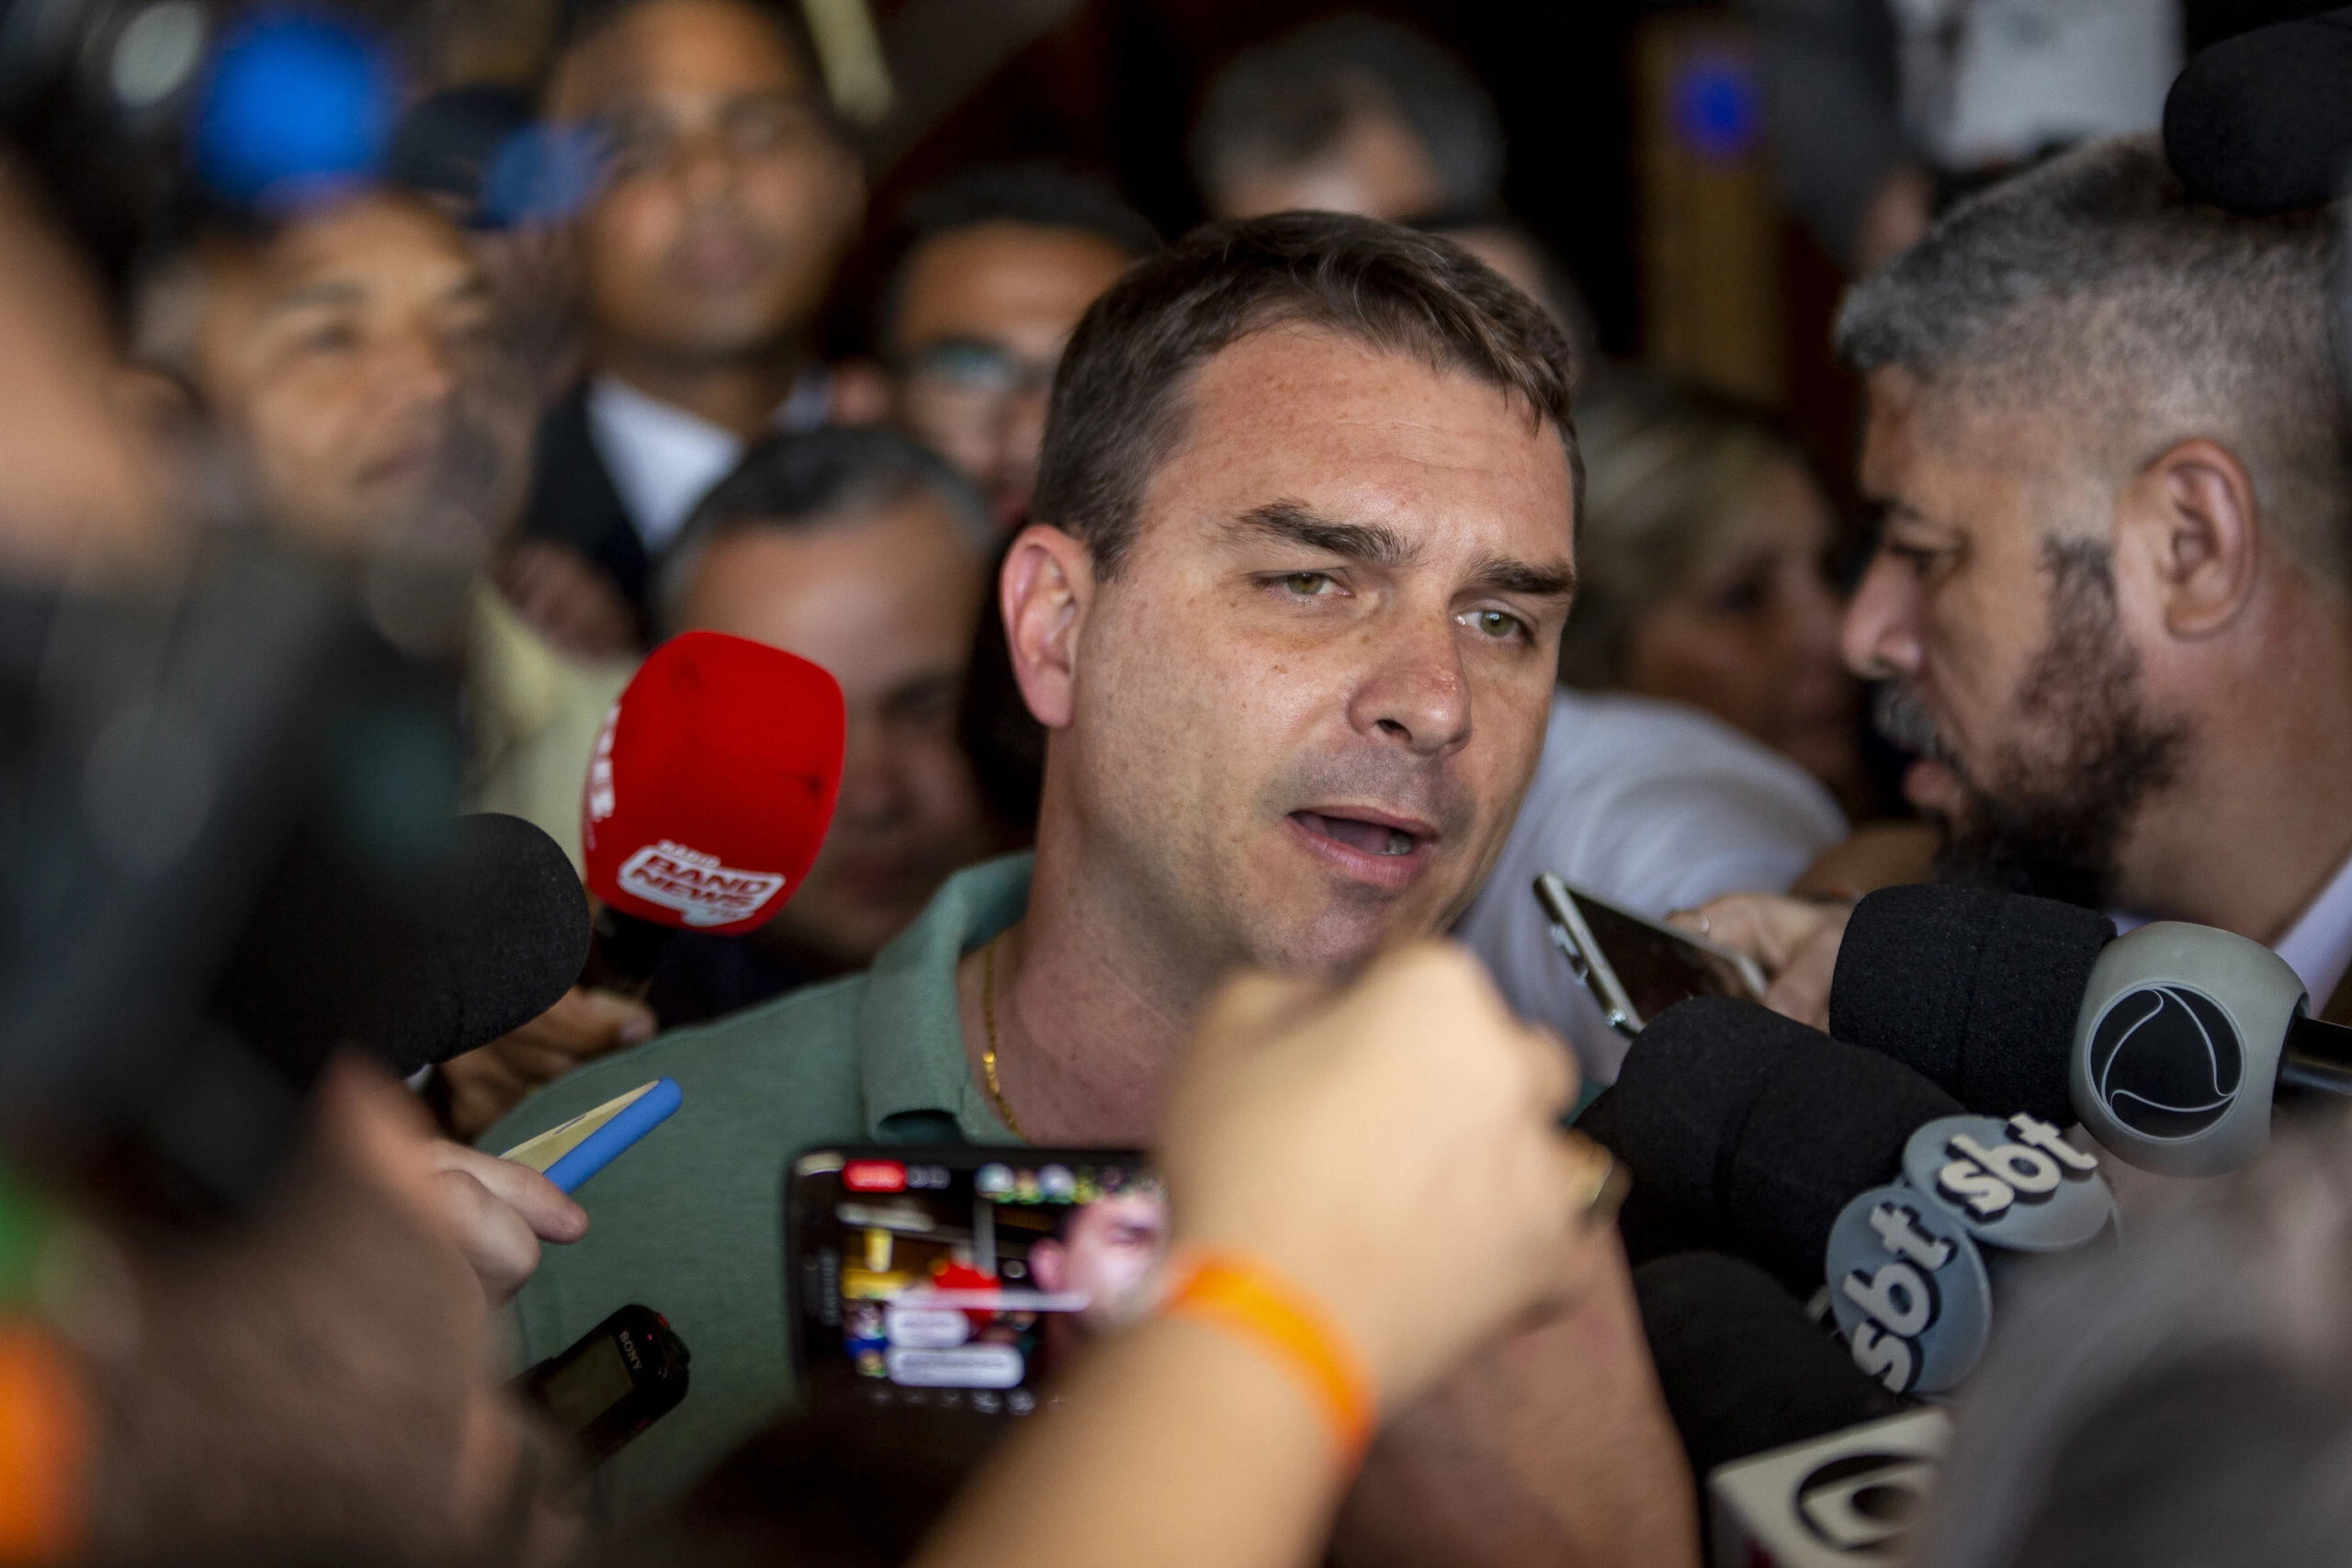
[2166, 1061]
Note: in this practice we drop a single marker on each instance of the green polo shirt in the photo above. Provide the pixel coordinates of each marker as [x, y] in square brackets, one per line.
[690, 1222]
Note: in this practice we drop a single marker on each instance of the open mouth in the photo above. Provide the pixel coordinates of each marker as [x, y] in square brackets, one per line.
[1367, 838]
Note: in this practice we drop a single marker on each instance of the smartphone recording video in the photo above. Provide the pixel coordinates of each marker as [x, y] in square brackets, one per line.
[962, 1278]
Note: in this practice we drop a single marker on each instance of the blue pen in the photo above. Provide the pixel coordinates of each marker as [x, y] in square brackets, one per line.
[570, 1153]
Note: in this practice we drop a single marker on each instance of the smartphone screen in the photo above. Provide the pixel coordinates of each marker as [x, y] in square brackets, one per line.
[1648, 966]
[961, 1277]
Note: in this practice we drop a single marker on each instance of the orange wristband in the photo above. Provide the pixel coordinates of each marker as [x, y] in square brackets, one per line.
[45, 1439]
[1235, 1293]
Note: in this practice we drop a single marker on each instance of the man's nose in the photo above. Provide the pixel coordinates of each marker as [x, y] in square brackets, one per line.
[707, 167]
[418, 369]
[1416, 692]
[873, 791]
[1882, 632]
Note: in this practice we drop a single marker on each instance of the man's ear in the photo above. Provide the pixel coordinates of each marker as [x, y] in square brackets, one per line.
[1045, 589]
[2190, 521]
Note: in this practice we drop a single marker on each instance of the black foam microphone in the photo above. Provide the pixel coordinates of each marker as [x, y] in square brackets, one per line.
[505, 923]
[1756, 1127]
[485, 932]
[1976, 991]
[1742, 1366]
[2170, 1043]
[2262, 123]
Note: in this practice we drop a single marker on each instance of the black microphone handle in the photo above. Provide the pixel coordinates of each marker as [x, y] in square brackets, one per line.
[624, 951]
[2316, 1059]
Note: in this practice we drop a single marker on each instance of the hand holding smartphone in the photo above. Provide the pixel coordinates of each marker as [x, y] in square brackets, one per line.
[958, 1278]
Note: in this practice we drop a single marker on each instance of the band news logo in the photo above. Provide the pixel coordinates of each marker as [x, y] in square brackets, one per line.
[697, 885]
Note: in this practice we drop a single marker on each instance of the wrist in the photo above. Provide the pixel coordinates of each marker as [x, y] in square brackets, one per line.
[1249, 1301]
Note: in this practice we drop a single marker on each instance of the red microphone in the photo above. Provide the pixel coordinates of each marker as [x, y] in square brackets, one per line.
[708, 795]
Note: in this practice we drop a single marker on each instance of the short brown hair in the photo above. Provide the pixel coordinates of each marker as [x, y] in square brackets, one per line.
[1118, 410]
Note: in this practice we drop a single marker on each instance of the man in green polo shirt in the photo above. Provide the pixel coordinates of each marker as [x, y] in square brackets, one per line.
[1290, 620]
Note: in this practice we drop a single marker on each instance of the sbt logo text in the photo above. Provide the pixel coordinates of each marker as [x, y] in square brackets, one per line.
[1887, 1299]
[1987, 1183]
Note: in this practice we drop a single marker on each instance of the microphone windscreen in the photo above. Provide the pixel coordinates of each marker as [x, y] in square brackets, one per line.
[2262, 123]
[505, 929]
[713, 784]
[1975, 990]
[479, 932]
[1743, 1369]
[1754, 1123]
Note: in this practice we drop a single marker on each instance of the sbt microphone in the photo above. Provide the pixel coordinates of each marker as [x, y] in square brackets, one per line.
[708, 795]
[2170, 1043]
[1773, 1141]
[1912, 1265]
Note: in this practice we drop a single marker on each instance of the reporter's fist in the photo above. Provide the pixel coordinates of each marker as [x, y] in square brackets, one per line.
[1393, 1148]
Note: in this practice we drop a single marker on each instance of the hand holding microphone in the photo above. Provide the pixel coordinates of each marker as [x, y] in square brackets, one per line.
[584, 1023]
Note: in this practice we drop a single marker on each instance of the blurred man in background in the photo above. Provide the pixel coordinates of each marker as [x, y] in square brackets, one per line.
[995, 269]
[1351, 114]
[349, 359]
[1527, 264]
[2112, 595]
[348, 366]
[311, 1380]
[728, 197]
[1882, 113]
[864, 553]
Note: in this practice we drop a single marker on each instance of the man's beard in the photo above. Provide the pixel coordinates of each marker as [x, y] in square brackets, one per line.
[2051, 820]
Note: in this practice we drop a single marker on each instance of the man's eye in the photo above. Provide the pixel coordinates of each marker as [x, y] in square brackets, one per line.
[769, 127]
[1308, 584]
[1746, 597]
[633, 152]
[1499, 624]
[1921, 558]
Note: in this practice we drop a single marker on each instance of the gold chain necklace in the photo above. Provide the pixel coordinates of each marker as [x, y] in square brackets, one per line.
[988, 1057]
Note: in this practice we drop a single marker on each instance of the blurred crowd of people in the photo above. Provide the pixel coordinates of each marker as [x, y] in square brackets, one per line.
[1271, 600]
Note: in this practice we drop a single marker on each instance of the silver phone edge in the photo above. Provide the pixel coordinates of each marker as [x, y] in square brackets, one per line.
[1574, 939]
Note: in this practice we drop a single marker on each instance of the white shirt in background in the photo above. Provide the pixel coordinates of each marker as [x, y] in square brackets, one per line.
[2317, 947]
[662, 459]
[1653, 806]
